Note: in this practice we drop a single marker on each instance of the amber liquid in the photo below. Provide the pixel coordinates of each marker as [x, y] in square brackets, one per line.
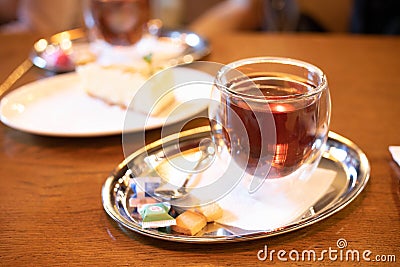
[295, 126]
[120, 22]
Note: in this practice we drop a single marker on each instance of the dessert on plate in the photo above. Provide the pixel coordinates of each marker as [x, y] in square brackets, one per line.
[135, 77]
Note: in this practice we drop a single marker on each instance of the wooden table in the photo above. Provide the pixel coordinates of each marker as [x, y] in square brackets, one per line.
[51, 211]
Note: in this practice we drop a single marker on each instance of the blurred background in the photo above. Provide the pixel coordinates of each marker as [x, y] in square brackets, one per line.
[346, 16]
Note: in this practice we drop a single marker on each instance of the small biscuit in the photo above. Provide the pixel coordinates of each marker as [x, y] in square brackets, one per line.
[189, 223]
[212, 212]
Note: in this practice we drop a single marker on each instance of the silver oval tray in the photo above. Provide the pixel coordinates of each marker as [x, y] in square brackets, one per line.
[341, 155]
[196, 47]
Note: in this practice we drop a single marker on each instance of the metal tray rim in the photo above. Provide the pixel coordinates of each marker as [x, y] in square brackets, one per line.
[192, 51]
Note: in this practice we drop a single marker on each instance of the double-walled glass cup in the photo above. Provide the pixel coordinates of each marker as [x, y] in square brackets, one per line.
[271, 115]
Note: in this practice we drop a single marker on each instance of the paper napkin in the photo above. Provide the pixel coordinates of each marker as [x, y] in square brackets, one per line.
[277, 203]
[395, 151]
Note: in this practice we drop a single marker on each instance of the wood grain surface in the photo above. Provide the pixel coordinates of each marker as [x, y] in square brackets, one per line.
[51, 211]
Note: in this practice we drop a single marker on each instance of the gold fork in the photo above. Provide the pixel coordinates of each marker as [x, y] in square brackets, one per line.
[15, 75]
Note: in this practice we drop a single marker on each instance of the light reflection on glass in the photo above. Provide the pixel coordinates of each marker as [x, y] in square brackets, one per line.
[41, 45]
[192, 39]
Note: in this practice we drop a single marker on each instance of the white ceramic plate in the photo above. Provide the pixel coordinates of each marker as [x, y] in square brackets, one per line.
[57, 106]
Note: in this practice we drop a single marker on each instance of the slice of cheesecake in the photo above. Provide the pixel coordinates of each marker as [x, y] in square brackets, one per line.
[128, 87]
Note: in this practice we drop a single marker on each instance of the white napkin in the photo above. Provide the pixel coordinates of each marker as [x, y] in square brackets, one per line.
[276, 203]
[395, 151]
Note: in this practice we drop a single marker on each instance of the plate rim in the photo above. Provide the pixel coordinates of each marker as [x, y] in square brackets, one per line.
[332, 209]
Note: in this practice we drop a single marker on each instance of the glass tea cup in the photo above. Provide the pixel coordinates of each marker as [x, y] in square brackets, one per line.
[117, 22]
[271, 115]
